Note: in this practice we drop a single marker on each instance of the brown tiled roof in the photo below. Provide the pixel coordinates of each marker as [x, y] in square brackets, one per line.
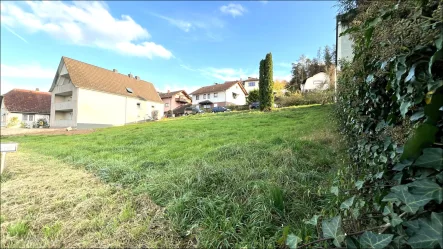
[84, 75]
[250, 79]
[219, 87]
[170, 94]
[20, 100]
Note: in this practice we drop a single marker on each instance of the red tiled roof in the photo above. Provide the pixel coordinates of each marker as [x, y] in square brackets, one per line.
[88, 76]
[219, 87]
[27, 101]
[170, 94]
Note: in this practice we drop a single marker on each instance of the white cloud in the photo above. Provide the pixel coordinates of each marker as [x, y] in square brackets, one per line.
[83, 23]
[222, 74]
[27, 71]
[233, 9]
[181, 24]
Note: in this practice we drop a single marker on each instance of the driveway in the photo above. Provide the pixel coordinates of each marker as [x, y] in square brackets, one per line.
[43, 131]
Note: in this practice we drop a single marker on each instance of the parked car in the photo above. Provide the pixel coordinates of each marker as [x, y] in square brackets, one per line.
[192, 110]
[220, 109]
[255, 105]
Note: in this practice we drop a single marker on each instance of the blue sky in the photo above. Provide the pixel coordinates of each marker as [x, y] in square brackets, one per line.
[175, 45]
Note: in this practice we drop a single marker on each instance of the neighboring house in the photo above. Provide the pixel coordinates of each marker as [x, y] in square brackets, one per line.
[250, 84]
[174, 100]
[319, 81]
[87, 96]
[28, 106]
[228, 93]
[2, 113]
[343, 44]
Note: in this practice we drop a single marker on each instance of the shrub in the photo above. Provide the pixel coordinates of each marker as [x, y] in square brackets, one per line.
[253, 96]
[13, 122]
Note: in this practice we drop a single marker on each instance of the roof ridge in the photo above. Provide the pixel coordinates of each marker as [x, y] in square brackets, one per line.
[112, 71]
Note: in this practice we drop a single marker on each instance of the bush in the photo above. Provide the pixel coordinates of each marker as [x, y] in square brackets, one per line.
[13, 122]
[253, 96]
[309, 98]
[238, 107]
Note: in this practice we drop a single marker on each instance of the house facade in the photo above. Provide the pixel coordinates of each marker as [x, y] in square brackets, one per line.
[343, 44]
[250, 84]
[87, 96]
[26, 105]
[228, 93]
[174, 100]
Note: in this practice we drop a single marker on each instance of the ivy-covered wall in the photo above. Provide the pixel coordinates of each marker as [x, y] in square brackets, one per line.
[390, 110]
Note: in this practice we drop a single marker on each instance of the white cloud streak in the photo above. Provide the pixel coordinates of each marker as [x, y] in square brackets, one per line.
[17, 35]
[83, 23]
[233, 9]
[181, 24]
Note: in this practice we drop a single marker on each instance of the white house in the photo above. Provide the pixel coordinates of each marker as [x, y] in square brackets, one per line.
[319, 81]
[26, 106]
[228, 93]
[250, 84]
[87, 96]
[343, 44]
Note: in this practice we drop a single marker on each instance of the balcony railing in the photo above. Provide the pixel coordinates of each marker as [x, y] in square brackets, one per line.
[63, 89]
[68, 105]
[181, 100]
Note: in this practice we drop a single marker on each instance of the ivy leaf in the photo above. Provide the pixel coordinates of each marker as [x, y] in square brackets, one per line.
[332, 229]
[292, 241]
[404, 107]
[424, 137]
[431, 110]
[352, 243]
[437, 56]
[313, 220]
[427, 188]
[412, 202]
[418, 115]
[348, 203]
[431, 158]
[411, 73]
[359, 184]
[440, 177]
[334, 190]
[401, 165]
[413, 226]
[375, 241]
[429, 235]
[396, 220]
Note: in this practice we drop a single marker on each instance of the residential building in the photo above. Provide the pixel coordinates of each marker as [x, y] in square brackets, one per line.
[250, 84]
[228, 93]
[87, 96]
[174, 100]
[27, 105]
[343, 44]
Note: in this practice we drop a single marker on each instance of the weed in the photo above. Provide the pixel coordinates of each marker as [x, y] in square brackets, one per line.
[51, 231]
[19, 229]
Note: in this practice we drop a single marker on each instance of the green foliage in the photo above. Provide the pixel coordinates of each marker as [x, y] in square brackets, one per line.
[51, 231]
[309, 98]
[292, 241]
[390, 109]
[18, 229]
[253, 96]
[266, 87]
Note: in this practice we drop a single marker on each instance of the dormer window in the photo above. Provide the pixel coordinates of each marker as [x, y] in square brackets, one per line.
[129, 90]
[234, 95]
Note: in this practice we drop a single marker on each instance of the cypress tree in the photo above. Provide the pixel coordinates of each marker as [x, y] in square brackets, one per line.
[261, 88]
[267, 100]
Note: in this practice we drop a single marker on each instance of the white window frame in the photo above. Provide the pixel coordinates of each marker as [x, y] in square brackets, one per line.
[215, 95]
[251, 84]
[197, 97]
[204, 96]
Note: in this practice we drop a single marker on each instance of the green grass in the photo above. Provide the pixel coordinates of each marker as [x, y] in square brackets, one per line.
[19, 229]
[226, 179]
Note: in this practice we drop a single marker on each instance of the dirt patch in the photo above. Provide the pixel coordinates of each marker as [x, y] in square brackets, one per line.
[47, 203]
[27, 132]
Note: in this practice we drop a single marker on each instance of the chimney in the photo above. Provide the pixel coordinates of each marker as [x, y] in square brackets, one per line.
[37, 90]
[115, 70]
[130, 75]
[169, 91]
[137, 77]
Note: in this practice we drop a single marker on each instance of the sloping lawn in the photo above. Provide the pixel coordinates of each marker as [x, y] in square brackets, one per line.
[226, 179]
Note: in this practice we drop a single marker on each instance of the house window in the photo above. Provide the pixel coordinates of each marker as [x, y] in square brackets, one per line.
[206, 106]
[31, 117]
[27, 117]
[234, 95]
[166, 104]
[209, 95]
[197, 97]
[204, 96]
[138, 105]
[251, 84]
[215, 95]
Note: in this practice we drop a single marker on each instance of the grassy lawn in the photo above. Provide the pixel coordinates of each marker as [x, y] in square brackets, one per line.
[226, 179]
